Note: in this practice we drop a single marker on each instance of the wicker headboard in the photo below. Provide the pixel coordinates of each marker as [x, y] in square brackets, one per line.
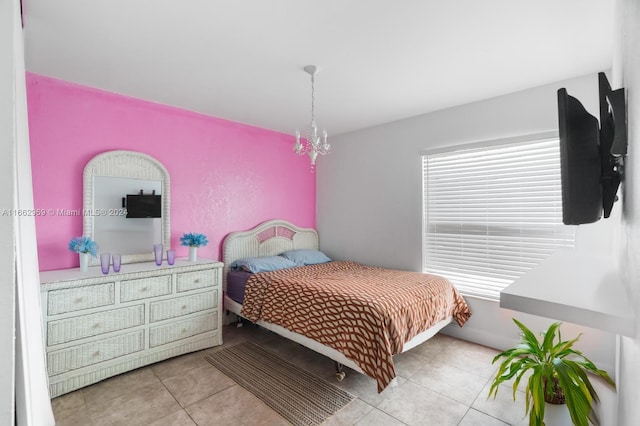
[270, 238]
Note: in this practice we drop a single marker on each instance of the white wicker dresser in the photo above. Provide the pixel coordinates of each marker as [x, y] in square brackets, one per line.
[97, 326]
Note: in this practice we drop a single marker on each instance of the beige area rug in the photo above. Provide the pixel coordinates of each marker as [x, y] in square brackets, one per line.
[298, 396]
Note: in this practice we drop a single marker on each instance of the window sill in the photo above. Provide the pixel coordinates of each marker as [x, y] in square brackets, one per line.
[584, 289]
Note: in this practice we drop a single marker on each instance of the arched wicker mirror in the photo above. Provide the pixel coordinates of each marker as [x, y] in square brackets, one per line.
[108, 179]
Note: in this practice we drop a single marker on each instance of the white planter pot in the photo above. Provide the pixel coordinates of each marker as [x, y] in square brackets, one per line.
[84, 261]
[557, 415]
[193, 254]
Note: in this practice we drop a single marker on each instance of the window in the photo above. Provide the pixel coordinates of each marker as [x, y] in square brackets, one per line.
[491, 212]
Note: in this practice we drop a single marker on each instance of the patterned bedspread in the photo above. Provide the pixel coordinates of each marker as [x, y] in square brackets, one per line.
[364, 312]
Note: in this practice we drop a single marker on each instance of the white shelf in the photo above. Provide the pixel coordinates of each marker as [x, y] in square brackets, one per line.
[584, 289]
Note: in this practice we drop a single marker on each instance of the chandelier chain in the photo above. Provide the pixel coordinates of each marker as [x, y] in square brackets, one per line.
[313, 99]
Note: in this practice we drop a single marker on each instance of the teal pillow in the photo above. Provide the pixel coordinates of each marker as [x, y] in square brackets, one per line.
[305, 257]
[262, 264]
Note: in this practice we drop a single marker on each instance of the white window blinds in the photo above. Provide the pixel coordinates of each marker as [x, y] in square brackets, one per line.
[492, 213]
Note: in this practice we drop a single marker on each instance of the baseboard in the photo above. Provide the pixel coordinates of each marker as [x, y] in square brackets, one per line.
[479, 336]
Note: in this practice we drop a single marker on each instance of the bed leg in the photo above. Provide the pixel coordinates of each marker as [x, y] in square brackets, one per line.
[340, 374]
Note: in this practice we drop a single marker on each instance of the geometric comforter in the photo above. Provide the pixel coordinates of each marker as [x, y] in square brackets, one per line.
[364, 312]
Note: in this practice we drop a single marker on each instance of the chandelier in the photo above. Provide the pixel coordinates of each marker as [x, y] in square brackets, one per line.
[314, 144]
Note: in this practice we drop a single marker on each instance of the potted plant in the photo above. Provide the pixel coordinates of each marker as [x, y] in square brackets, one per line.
[193, 241]
[85, 247]
[558, 375]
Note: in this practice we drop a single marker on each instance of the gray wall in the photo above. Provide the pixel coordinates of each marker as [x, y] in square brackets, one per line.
[369, 197]
[627, 73]
[7, 176]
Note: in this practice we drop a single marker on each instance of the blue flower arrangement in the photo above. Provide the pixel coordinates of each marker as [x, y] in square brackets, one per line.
[193, 240]
[83, 245]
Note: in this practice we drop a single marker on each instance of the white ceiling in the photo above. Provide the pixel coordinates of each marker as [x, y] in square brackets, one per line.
[379, 60]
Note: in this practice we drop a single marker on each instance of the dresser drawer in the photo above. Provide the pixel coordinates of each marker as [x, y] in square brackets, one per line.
[182, 329]
[198, 279]
[94, 352]
[75, 328]
[145, 287]
[171, 308]
[76, 299]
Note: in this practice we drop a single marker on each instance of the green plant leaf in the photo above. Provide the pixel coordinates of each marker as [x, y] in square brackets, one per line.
[529, 340]
[563, 349]
[577, 395]
[527, 365]
[588, 365]
[549, 335]
[536, 415]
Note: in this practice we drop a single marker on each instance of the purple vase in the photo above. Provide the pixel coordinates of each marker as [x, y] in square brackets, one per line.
[157, 252]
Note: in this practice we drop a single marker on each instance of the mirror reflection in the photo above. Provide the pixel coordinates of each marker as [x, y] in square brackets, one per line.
[122, 230]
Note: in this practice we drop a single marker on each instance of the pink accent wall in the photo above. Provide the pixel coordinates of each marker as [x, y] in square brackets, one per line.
[225, 176]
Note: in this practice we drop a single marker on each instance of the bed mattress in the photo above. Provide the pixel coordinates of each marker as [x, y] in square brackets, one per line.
[236, 285]
[364, 312]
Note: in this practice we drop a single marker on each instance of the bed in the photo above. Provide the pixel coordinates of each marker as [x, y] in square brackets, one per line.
[357, 315]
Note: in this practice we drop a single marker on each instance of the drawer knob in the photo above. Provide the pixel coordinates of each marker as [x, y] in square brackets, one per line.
[143, 289]
[78, 300]
[197, 280]
[184, 307]
[96, 325]
[184, 331]
[96, 353]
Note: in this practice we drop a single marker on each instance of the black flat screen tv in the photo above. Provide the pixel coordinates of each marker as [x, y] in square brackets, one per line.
[591, 154]
[579, 162]
[144, 206]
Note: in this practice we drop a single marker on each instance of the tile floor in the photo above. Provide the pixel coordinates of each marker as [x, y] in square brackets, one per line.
[444, 381]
